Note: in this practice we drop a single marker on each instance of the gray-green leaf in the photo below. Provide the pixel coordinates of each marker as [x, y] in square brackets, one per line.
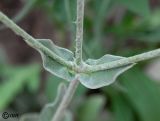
[140, 7]
[102, 78]
[49, 110]
[53, 66]
[30, 117]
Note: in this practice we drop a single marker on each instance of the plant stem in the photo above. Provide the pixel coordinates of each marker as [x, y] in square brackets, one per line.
[32, 41]
[123, 62]
[79, 31]
[59, 115]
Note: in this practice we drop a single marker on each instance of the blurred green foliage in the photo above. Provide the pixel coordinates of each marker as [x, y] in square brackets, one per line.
[139, 97]
[91, 108]
[14, 79]
[135, 97]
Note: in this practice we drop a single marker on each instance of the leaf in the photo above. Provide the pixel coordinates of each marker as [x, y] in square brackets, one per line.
[35, 117]
[140, 7]
[121, 108]
[150, 28]
[56, 13]
[101, 11]
[122, 111]
[143, 93]
[72, 9]
[102, 78]
[154, 20]
[30, 117]
[68, 116]
[52, 83]
[90, 110]
[152, 37]
[14, 84]
[34, 79]
[53, 66]
[49, 110]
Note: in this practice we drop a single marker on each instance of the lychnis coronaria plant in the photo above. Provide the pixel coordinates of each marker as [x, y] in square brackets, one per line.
[92, 73]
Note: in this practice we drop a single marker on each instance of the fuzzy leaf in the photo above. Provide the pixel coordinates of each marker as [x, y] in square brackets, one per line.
[53, 66]
[49, 110]
[102, 78]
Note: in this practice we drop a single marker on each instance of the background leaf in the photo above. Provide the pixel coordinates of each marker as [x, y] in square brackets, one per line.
[91, 108]
[15, 83]
[140, 7]
[30, 117]
[120, 106]
[143, 93]
[52, 83]
[49, 110]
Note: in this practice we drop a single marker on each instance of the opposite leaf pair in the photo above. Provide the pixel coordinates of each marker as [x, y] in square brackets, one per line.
[91, 80]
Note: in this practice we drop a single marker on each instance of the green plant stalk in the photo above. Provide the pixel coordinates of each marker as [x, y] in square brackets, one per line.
[59, 115]
[32, 41]
[79, 31]
[123, 62]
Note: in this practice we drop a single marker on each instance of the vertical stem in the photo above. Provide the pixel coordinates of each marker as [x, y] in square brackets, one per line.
[79, 31]
[59, 115]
